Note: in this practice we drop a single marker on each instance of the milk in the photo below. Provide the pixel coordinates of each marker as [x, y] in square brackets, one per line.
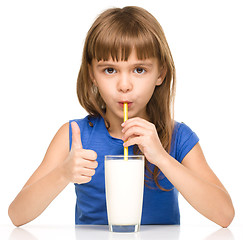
[124, 190]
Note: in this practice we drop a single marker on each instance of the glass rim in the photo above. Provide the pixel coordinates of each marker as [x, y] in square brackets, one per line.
[123, 156]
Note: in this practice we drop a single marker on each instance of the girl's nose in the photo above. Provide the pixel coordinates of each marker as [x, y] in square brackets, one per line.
[124, 83]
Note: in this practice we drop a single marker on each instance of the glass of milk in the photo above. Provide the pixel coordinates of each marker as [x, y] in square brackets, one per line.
[124, 184]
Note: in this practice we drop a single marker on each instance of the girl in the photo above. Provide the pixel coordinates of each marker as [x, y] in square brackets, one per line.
[126, 58]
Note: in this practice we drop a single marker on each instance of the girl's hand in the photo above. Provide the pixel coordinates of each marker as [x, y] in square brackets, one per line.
[80, 164]
[143, 133]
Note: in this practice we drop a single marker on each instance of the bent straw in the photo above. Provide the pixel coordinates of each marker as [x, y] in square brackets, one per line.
[125, 111]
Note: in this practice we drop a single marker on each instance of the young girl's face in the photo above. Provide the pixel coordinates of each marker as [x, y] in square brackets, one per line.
[131, 81]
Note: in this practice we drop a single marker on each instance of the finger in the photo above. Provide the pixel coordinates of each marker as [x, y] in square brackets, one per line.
[82, 179]
[88, 172]
[136, 122]
[132, 141]
[135, 119]
[76, 137]
[134, 131]
[89, 154]
[89, 164]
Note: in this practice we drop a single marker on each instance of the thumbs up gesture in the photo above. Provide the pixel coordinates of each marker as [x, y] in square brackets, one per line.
[80, 164]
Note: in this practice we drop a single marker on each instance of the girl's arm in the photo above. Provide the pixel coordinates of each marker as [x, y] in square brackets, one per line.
[45, 183]
[199, 186]
[58, 168]
[193, 178]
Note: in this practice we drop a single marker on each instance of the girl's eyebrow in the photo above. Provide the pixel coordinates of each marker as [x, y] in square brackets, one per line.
[105, 64]
[111, 64]
[144, 64]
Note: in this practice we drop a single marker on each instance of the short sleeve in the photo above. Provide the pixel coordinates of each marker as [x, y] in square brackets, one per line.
[186, 139]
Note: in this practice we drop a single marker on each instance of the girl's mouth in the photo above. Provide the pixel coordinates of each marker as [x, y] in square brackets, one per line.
[128, 104]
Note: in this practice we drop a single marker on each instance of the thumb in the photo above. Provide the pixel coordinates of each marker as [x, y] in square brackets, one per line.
[76, 137]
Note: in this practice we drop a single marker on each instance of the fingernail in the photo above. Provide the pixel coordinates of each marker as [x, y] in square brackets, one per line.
[122, 124]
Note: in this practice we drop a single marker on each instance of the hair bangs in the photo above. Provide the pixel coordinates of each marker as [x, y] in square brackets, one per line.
[117, 41]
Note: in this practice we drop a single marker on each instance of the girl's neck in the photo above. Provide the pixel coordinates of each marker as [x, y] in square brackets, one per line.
[115, 128]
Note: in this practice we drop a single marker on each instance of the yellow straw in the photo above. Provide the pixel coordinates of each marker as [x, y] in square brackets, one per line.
[125, 111]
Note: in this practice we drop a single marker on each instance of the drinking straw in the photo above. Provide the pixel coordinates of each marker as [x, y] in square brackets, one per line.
[125, 111]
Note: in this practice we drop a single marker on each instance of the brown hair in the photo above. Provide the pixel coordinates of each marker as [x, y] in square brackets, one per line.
[114, 34]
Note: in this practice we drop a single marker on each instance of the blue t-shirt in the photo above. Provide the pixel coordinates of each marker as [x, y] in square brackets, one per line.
[159, 207]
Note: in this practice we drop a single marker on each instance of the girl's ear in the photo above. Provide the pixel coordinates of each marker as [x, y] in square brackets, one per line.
[91, 74]
[162, 74]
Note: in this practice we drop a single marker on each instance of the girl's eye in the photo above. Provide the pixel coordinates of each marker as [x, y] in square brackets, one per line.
[139, 70]
[110, 71]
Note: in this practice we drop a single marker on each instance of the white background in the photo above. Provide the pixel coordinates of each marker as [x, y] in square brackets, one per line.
[40, 54]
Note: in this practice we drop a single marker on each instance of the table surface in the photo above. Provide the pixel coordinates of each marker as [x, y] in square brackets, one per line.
[98, 232]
